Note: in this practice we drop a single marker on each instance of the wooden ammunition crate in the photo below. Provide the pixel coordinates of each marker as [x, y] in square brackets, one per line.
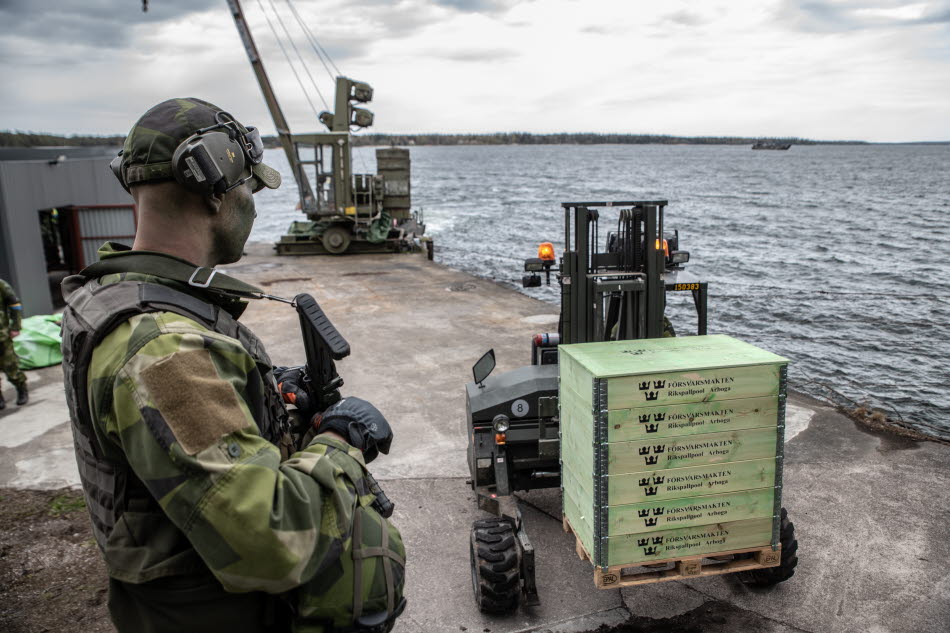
[676, 441]
[652, 516]
[716, 416]
[691, 450]
[685, 482]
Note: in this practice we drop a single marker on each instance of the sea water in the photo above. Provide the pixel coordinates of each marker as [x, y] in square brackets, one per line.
[835, 256]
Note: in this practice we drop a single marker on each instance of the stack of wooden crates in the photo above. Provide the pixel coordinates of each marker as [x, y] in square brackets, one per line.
[671, 452]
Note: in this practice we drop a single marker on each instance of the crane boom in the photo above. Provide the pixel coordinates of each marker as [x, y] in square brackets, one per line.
[283, 129]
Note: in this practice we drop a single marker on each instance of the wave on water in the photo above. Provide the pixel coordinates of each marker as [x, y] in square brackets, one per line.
[833, 256]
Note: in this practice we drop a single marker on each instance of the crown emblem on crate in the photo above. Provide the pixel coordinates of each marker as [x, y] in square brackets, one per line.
[644, 385]
[650, 522]
[652, 428]
[652, 395]
[644, 418]
[650, 460]
[648, 489]
[659, 384]
[659, 417]
[645, 512]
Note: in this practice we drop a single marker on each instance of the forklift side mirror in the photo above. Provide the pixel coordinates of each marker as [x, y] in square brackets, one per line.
[484, 367]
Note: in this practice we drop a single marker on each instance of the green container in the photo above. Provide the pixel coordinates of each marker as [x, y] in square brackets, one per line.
[650, 423]
[688, 482]
[691, 450]
[692, 541]
[653, 372]
[664, 425]
[652, 516]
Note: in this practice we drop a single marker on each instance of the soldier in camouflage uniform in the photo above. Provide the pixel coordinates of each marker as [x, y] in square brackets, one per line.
[10, 310]
[209, 518]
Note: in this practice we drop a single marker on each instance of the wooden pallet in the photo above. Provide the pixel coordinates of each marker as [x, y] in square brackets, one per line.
[677, 568]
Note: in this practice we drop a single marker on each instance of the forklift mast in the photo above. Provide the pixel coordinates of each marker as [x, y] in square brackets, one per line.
[617, 290]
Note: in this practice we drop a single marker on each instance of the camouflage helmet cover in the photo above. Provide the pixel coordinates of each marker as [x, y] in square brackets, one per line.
[152, 141]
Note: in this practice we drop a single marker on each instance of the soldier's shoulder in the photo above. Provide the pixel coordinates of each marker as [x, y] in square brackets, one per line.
[155, 334]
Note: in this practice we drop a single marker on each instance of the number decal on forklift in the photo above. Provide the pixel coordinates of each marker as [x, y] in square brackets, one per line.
[519, 408]
[685, 286]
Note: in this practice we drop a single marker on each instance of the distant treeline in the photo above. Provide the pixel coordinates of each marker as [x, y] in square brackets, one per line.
[38, 139]
[578, 138]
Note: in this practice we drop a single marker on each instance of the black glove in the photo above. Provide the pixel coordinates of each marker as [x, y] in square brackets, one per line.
[360, 423]
[290, 382]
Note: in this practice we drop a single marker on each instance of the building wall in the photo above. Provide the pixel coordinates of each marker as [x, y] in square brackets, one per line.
[28, 186]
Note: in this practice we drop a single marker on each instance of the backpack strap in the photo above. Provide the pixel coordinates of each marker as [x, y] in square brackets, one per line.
[169, 267]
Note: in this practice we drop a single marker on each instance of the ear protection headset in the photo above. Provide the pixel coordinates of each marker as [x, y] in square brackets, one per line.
[213, 159]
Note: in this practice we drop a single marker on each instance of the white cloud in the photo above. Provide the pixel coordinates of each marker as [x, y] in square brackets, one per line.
[820, 69]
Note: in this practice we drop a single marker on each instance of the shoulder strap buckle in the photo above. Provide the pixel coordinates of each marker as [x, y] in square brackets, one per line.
[206, 283]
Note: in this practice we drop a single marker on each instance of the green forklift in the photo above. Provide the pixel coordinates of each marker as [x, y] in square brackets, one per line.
[613, 287]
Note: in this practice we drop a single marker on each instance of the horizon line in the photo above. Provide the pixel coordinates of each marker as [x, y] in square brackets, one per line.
[366, 134]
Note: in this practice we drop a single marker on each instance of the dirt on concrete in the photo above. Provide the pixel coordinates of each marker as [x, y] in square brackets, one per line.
[52, 577]
[712, 617]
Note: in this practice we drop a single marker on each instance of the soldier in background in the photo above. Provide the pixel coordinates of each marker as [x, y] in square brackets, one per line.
[10, 311]
[210, 515]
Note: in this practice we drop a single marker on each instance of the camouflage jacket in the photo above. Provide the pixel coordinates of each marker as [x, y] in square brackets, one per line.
[10, 308]
[172, 400]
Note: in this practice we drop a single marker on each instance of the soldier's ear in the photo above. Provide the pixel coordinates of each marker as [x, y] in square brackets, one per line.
[213, 202]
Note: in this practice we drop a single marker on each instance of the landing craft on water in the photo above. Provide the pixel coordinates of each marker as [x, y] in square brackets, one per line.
[770, 145]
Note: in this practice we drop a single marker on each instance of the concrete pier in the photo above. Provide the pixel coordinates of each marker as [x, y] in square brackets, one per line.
[871, 510]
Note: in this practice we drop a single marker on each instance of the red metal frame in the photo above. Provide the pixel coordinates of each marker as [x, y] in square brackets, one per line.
[78, 238]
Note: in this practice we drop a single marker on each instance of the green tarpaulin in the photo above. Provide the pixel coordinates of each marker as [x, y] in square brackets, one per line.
[379, 229]
[39, 341]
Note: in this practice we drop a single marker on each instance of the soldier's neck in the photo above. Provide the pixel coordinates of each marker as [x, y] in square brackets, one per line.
[184, 237]
[175, 221]
[184, 246]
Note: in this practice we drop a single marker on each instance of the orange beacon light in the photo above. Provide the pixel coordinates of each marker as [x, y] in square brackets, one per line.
[546, 251]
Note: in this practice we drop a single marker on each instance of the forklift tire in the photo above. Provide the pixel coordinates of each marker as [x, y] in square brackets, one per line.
[336, 239]
[496, 577]
[773, 575]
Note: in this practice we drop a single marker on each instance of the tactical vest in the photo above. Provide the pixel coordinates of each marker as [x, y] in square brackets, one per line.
[363, 594]
[92, 312]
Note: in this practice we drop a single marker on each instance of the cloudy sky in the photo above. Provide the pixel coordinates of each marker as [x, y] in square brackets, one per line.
[875, 70]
